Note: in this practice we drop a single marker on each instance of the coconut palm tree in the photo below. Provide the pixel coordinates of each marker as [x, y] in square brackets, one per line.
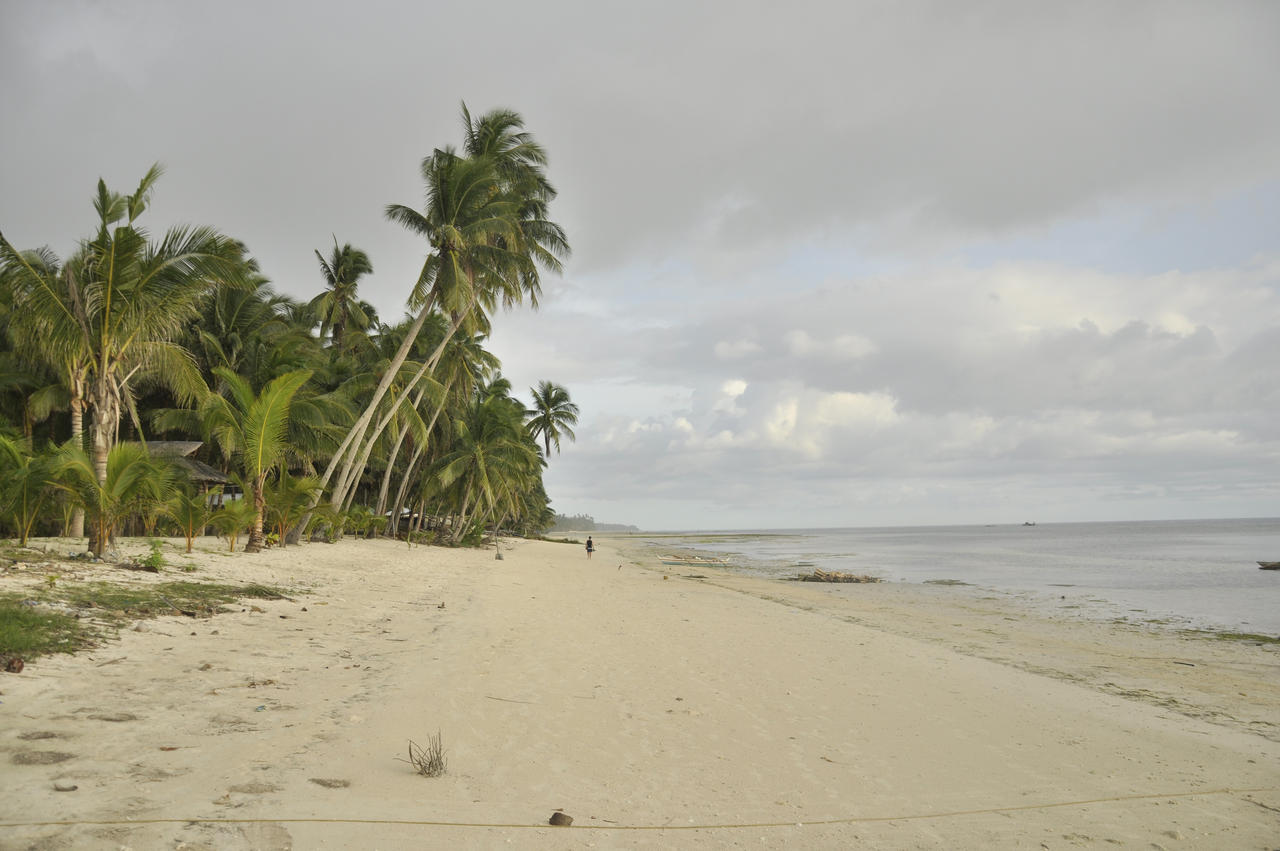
[232, 519]
[135, 482]
[552, 416]
[338, 306]
[191, 510]
[491, 454]
[287, 500]
[25, 486]
[487, 234]
[251, 429]
[116, 307]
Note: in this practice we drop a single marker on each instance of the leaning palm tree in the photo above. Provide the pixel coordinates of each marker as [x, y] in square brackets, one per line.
[487, 234]
[338, 306]
[251, 428]
[491, 452]
[116, 307]
[552, 416]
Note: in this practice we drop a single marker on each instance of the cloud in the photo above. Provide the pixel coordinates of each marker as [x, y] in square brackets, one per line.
[877, 255]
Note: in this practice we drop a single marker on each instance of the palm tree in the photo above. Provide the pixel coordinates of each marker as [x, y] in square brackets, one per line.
[552, 416]
[287, 500]
[191, 510]
[252, 429]
[487, 234]
[338, 305]
[116, 307]
[233, 518]
[25, 486]
[135, 482]
[491, 455]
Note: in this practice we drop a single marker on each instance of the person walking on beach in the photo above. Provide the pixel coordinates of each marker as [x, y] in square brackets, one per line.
[590, 547]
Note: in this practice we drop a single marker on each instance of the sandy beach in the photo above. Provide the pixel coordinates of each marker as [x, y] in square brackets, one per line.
[656, 708]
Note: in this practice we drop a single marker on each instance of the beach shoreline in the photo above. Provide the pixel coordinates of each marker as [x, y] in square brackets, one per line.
[656, 709]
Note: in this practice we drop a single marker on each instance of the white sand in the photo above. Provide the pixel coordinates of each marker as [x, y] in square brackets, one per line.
[657, 712]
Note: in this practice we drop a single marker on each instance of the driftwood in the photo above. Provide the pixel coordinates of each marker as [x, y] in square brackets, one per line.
[834, 576]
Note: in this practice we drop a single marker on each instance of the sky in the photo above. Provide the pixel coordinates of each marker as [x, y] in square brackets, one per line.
[834, 263]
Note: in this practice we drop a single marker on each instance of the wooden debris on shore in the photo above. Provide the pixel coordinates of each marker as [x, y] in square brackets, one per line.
[820, 575]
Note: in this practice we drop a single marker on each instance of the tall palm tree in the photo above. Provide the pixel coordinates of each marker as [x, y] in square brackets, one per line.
[251, 428]
[552, 416]
[118, 304]
[487, 234]
[339, 306]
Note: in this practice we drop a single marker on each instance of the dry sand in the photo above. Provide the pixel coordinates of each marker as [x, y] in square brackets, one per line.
[658, 710]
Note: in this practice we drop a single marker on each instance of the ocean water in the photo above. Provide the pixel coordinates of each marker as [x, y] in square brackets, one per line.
[1186, 573]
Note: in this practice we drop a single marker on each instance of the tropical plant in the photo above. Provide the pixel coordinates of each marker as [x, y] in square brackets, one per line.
[111, 313]
[190, 510]
[25, 486]
[338, 306]
[552, 416]
[492, 456]
[287, 499]
[486, 227]
[233, 518]
[360, 520]
[135, 483]
[250, 428]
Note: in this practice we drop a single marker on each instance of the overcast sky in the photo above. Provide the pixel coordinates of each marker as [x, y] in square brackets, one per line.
[835, 264]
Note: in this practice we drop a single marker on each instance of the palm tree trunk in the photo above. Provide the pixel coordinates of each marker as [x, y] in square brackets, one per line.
[394, 522]
[361, 425]
[254, 543]
[428, 366]
[76, 382]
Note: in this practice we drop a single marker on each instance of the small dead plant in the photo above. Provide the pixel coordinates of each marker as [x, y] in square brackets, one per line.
[428, 761]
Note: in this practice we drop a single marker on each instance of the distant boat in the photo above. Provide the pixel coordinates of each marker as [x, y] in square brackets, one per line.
[1029, 523]
[1269, 565]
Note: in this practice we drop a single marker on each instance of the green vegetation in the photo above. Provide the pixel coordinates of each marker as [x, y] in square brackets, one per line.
[313, 416]
[154, 559]
[28, 631]
[49, 621]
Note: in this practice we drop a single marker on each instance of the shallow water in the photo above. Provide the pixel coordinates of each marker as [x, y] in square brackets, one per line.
[1189, 573]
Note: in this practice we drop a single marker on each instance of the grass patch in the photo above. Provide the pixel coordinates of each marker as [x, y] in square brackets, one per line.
[162, 599]
[29, 631]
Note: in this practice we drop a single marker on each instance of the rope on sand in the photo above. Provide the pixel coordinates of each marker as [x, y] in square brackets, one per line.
[747, 825]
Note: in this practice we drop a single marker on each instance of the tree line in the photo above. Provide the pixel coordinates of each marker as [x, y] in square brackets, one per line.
[324, 417]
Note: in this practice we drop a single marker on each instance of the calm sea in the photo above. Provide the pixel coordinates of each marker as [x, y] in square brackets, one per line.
[1190, 573]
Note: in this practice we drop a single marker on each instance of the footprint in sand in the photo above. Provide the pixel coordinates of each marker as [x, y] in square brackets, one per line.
[254, 788]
